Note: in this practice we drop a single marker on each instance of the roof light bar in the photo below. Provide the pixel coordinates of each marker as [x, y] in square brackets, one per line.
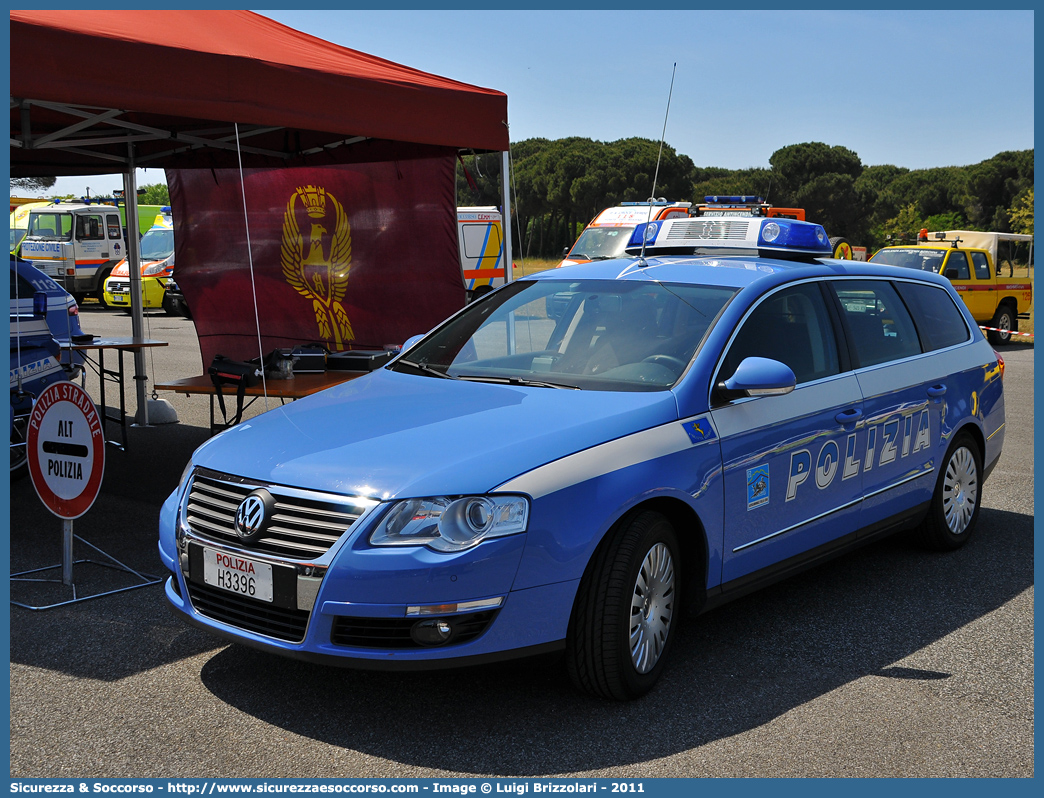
[743, 199]
[749, 233]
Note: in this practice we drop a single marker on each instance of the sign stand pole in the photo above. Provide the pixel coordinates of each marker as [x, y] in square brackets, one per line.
[67, 551]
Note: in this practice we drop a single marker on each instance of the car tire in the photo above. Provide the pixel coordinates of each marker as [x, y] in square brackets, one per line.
[954, 510]
[840, 248]
[99, 292]
[1003, 319]
[627, 609]
[170, 306]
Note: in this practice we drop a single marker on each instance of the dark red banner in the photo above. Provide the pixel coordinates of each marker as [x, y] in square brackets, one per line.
[351, 256]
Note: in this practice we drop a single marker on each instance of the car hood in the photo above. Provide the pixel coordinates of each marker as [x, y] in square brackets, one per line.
[388, 435]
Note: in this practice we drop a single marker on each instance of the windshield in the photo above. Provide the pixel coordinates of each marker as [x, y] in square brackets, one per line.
[157, 244]
[605, 335]
[599, 243]
[51, 225]
[927, 260]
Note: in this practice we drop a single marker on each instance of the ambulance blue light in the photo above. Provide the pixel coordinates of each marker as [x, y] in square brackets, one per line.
[733, 200]
[787, 234]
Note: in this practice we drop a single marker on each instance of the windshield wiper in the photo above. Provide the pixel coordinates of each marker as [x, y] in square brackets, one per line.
[516, 381]
[424, 367]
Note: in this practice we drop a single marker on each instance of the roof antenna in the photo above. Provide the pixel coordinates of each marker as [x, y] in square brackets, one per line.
[641, 258]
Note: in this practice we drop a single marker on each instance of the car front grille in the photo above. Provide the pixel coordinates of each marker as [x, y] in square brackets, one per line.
[249, 614]
[303, 526]
[395, 632]
[115, 286]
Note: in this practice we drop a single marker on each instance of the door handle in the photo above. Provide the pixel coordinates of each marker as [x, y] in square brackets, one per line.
[936, 391]
[849, 416]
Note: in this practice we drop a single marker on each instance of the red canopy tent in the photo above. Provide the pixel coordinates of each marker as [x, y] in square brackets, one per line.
[230, 89]
[162, 79]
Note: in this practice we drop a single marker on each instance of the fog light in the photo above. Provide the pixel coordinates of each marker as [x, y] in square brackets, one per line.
[431, 632]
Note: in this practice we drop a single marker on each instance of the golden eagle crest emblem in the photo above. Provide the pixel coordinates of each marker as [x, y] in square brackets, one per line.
[316, 262]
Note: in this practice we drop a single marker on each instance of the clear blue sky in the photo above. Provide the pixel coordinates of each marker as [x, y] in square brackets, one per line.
[912, 88]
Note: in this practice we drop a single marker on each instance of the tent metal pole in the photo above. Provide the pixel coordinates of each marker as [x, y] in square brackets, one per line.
[130, 204]
[505, 171]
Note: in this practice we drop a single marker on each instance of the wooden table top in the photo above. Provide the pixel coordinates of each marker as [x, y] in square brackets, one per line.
[115, 343]
[300, 385]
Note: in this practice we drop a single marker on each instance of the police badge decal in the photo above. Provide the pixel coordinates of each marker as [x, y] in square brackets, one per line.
[316, 262]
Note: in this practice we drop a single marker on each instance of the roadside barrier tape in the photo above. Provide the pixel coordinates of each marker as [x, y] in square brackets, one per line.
[1010, 332]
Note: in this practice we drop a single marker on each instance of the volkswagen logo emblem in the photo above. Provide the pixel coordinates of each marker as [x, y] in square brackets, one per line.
[252, 516]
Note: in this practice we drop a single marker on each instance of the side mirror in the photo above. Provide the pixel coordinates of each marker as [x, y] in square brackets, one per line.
[565, 251]
[951, 274]
[410, 342]
[758, 376]
[39, 305]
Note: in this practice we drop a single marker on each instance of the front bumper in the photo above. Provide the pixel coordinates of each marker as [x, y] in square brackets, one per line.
[357, 604]
[117, 291]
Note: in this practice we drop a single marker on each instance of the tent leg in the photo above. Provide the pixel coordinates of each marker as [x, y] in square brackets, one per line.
[505, 171]
[130, 203]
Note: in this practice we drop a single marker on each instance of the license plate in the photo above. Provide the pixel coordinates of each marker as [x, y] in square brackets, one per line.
[237, 574]
[118, 298]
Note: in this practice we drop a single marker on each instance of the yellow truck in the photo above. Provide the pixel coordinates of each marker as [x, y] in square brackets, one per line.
[996, 302]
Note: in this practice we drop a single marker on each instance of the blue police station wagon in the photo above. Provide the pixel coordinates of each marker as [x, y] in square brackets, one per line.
[575, 458]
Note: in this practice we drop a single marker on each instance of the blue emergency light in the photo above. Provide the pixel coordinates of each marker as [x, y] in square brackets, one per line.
[743, 199]
[759, 235]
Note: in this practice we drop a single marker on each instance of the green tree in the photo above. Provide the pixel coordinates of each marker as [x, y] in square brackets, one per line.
[32, 184]
[154, 194]
[903, 227]
[797, 165]
[821, 179]
[1021, 213]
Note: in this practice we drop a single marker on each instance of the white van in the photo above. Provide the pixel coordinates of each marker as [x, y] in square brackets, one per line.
[75, 244]
[480, 237]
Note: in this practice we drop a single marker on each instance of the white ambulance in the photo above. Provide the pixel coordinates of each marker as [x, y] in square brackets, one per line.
[480, 237]
[608, 233]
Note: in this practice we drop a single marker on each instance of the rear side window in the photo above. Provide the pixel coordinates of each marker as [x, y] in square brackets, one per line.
[938, 319]
[793, 327]
[879, 325]
[982, 267]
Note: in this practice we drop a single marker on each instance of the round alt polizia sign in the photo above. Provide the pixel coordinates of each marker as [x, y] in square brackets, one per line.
[66, 449]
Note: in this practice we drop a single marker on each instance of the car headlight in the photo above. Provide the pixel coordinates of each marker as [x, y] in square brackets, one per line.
[155, 268]
[444, 523]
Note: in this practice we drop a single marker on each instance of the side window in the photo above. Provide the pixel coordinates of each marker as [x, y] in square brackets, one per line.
[112, 222]
[982, 266]
[938, 320]
[957, 261]
[477, 237]
[89, 228]
[878, 323]
[793, 327]
[21, 287]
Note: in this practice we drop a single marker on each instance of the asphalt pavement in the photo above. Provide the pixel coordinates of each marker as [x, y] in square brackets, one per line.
[889, 661]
